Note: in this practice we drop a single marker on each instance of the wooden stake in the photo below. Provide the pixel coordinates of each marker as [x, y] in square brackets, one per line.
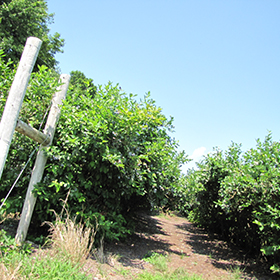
[41, 160]
[16, 95]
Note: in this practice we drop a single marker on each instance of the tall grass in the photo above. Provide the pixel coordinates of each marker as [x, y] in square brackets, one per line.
[70, 243]
[71, 239]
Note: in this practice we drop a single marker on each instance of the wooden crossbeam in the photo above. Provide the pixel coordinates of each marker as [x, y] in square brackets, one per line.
[32, 133]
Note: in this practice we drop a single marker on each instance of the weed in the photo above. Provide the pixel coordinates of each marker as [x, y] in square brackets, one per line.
[164, 215]
[236, 273]
[8, 244]
[158, 261]
[182, 254]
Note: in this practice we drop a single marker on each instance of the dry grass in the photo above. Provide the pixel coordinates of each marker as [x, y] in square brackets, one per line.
[71, 243]
[10, 272]
[71, 239]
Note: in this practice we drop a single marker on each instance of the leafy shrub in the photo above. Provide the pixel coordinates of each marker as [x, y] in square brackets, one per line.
[8, 245]
[203, 187]
[6, 78]
[237, 195]
[25, 18]
[113, 153]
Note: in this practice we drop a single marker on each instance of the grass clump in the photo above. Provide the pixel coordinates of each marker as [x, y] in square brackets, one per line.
[159, 261]
[236, 273]
[70, 246]
[12, 256]
[71, 239]
[21, 266]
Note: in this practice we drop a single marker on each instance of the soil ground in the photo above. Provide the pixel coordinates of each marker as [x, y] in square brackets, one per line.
[187, 247]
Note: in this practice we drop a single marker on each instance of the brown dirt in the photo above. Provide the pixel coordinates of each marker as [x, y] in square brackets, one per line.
[187, 246]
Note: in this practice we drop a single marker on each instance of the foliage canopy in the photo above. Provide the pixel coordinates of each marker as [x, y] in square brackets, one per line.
[20, 19]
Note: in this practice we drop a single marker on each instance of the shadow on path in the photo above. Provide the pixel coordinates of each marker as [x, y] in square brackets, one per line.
[188, 245]
[222, 255]
[146, 239]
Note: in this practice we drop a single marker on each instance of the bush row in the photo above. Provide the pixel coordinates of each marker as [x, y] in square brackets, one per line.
[111, 154]
[238, 196]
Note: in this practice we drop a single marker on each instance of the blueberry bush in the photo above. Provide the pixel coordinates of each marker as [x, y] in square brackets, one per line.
[111, 155]
[237, 195]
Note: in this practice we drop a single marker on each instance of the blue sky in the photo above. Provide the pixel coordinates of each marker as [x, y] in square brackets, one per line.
[213, 65]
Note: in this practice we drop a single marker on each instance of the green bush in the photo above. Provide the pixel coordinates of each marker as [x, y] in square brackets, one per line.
[115, 156]
[21, 19]
[111, 153]
[237, 195]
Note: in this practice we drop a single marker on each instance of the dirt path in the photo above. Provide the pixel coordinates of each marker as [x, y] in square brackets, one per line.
[187, 246]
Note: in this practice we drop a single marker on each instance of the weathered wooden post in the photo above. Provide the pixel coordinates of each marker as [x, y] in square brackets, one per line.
[41, 160]
[16, 95]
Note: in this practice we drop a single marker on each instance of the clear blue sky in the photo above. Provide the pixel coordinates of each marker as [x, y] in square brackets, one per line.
[214, 65]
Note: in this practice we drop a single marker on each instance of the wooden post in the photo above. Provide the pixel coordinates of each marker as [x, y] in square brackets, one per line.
[41, 160]
[16, 95]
